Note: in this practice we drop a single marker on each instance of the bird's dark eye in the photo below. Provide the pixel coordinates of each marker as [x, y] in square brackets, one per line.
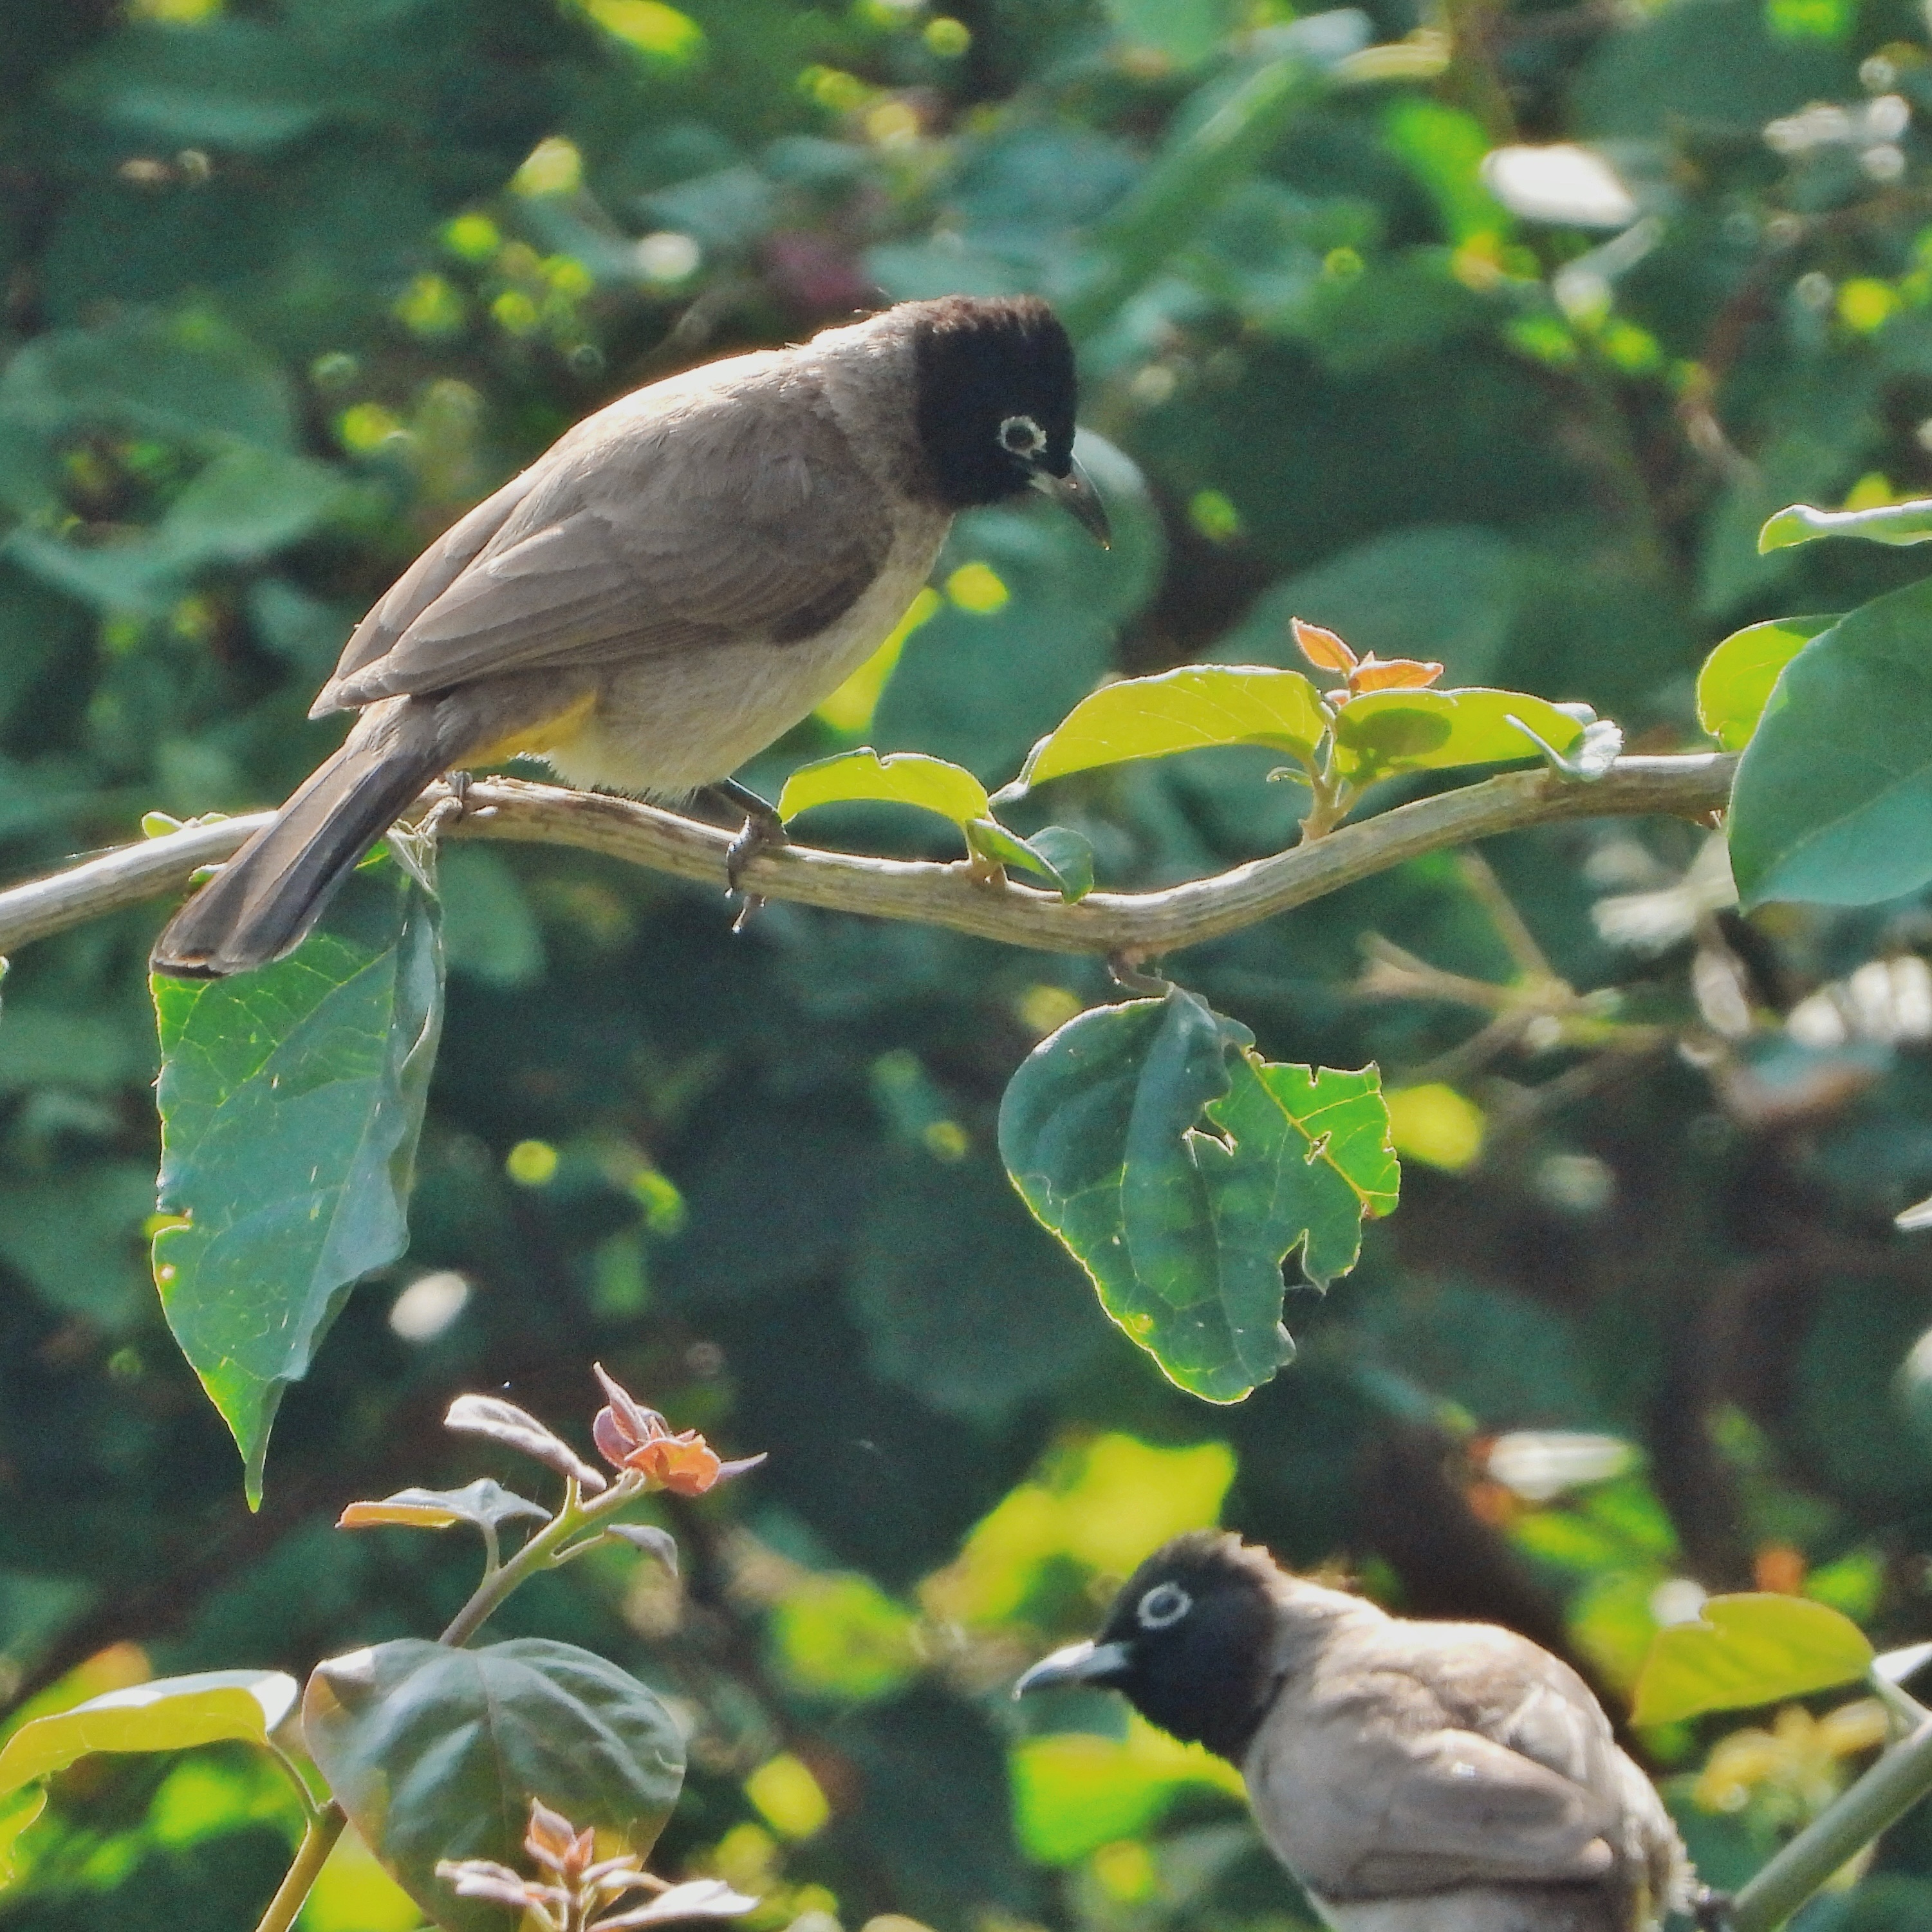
[1020, 436]
[1165, 1603]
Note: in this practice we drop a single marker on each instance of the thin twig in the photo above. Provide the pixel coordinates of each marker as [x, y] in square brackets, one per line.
[1147, 925]
[311, 1855]
[1892, 1786]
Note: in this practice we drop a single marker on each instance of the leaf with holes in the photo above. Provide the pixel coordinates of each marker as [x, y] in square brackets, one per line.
[1179, 1169]
[1747, 1650]
[291, 1098]
[436, 1752]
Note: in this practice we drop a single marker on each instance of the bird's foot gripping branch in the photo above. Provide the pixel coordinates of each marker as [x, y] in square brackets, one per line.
[436, 1752]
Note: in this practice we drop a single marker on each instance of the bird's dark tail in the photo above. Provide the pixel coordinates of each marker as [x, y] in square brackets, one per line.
[265, 902]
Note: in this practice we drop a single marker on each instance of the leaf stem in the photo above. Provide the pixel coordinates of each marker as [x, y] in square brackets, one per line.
[1889, 1790]
[543, 1551]
[325, 1827]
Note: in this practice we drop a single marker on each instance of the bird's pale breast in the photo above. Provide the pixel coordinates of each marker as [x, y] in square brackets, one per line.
[681, 721]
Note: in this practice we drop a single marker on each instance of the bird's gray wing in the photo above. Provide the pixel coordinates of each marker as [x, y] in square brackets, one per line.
[425, 580]
[744, 517]
[1366, 1783]
[1462, 1810]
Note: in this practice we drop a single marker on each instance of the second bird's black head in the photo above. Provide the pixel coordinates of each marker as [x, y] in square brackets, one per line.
[995, 397]
[1189, 1642]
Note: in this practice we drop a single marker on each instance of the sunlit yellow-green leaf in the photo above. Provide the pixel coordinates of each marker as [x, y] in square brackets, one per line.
[171, 1714]
[899, 778]
[841, 1636]
[16, 1813]
[1388, 732]
[1735, 682]
[1745, 1650]
[1074, 1791]
[1183, 710]
[1889, 524]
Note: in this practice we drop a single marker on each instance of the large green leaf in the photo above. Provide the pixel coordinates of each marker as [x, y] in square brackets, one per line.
[1833, 801]
[1183, 710]
[435, 1752]
[170, 1714]
[1735, 682]
[1746, 1651]
[291, 1099]
[1179, 1169]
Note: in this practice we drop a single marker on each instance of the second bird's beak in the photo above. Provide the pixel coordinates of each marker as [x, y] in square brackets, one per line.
[1078, 1664]
[1074, 491]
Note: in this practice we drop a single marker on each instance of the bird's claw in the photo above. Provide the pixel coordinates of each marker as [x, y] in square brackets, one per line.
[1711, 1912]
[763, 831]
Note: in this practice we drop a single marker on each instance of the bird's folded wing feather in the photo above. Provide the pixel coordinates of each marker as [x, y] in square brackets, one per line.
[735, 522]
[1464, 1809]
[425, 580]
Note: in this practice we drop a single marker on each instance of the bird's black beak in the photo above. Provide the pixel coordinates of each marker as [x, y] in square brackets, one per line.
[1074, 491]
[1078, 1664]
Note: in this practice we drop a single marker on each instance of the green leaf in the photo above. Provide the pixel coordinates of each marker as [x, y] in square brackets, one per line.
[1068, 855]
[1735, 682]
[1889, 524]
[1195, 169]
[291, 1098]
[484, 1502]
[1390, 731]
[1057, 852]
[1183, 710]
[1074, 1791]
[436, 1752]
[1746, 1651]
[1833, 801]
[1179, 1169]
[16, 1814]
[899, 778]
[170, 1714]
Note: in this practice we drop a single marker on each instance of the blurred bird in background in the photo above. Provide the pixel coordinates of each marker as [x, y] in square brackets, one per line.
[1416, 1776]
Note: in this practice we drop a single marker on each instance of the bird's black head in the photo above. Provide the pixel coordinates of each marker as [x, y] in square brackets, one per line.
[995, 395]
[1189, 1642]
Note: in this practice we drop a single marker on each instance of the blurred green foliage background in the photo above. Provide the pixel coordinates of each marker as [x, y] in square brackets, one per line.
[288, 285]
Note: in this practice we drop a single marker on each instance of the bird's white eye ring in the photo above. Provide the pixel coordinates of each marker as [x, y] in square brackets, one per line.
[1165, 1603]
[1022, 436]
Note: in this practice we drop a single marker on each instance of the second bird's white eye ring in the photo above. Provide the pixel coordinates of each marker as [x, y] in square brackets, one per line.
[1165, 1603]
[1022, 436]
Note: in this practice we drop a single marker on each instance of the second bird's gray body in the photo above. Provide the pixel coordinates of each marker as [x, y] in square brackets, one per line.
[1416, 1776]
[1450, 1777]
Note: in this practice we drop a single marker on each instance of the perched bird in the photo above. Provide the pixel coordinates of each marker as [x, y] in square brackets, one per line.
[1416, 1776]
[674, 584]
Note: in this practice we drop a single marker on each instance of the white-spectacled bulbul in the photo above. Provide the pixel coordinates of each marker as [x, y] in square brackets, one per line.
[1416, 1776]
[669, 588]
